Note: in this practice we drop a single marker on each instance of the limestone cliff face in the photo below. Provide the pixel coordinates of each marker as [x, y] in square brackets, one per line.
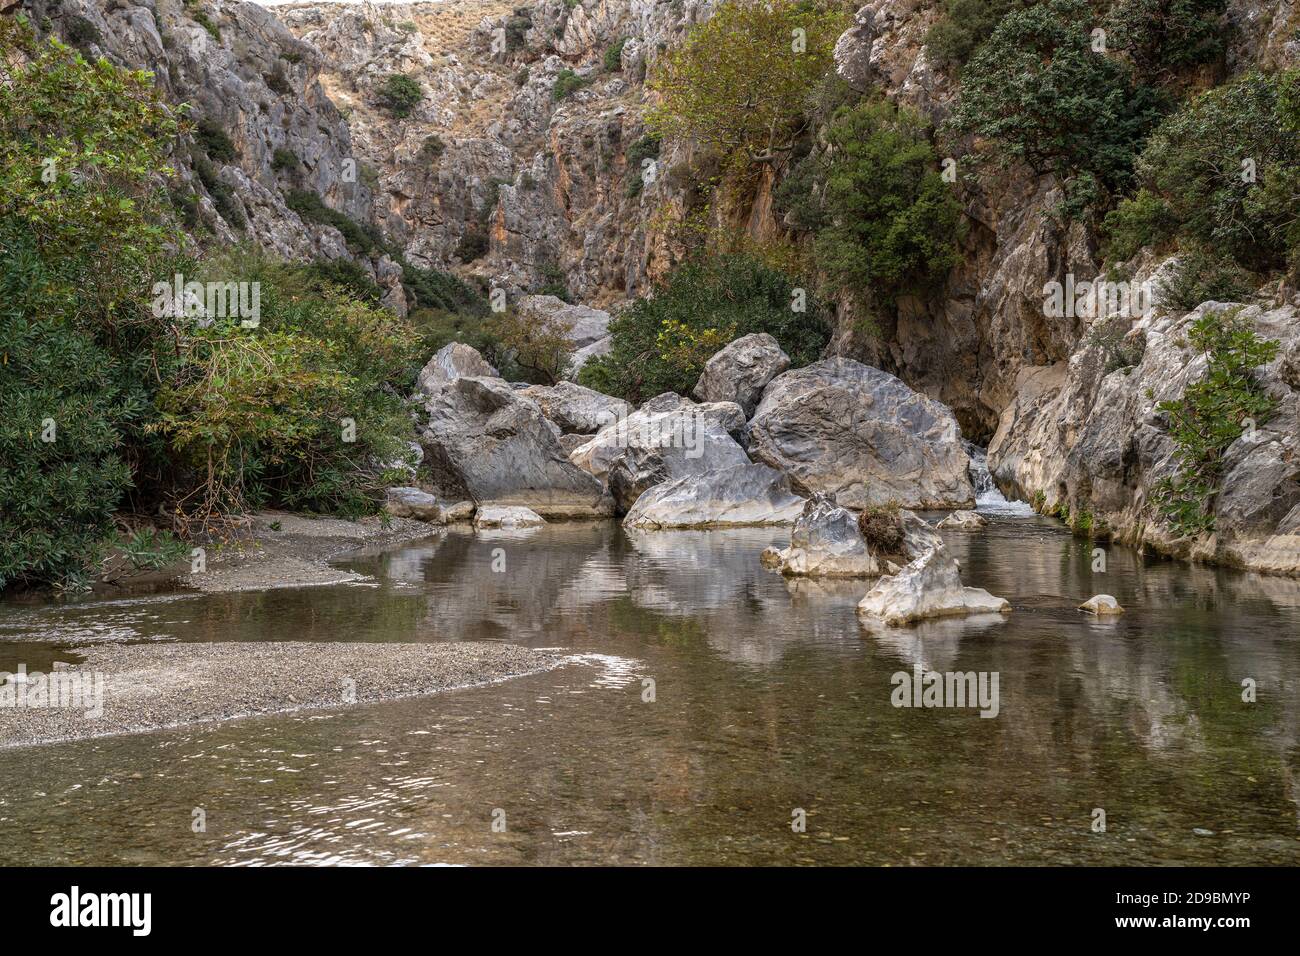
[244, 73]
[491, 173]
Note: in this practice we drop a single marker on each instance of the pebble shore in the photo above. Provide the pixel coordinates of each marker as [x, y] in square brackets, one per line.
[157, 686]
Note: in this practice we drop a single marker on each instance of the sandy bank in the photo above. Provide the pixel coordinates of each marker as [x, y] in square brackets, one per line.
[156, 686]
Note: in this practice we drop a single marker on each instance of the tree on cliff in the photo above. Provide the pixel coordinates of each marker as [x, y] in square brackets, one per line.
[741, 82]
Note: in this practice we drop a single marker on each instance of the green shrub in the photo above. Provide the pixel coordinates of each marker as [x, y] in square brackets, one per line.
[517, 27]
[1198, 163]
[882, 215]
[965, 25]
[554, 282]
[734, 85]
[202, 19]
[432, 289]
[1040, 94]
[1164, 36]
[660, 343]
[1203, 276]
[360, 238]
[1211, 415]
[1145, 220]
[400, 94]
[473, 243]
[433, 147]
[215, 142]
[614, 55]
[261, 415]
[81, 347]
[566, 84]
[284, 159]
[222, 195]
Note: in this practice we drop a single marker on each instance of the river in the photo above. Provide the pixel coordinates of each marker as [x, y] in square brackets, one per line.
[769, 700]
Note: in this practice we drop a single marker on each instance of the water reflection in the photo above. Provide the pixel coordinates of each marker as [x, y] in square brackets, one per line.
[768, 695]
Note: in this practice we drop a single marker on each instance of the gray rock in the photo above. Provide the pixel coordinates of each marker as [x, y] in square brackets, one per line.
[825, 542]
[928, 587]
[693, 438]
[454, 360]
[740, 371]
[735, 496]
[408, 502]
[962, 521]
[842, 428]
[1101, 604]
[507, 517]
[486, 442]
[918, 535]
[577, 409]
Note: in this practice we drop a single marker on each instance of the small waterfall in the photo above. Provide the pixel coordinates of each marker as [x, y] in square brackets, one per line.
[988, 500]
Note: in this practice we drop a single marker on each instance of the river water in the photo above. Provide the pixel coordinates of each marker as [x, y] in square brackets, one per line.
[769, 698]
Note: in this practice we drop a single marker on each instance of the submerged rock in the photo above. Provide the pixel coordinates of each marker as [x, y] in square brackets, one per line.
[842, 428]
[962, 521]
[929, 587]
[723, 497]
[1101, 604]
[495, 516]
[454, 360]
[740, 371]
[487, 442]
[826, 542]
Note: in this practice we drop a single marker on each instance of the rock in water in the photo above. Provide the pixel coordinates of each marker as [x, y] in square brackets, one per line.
[454, 360]
[486, 442]
[494, 516]
[406, 502]
[825, 542]
[842, 428]
[918, 536]
[577, 409]
[735, 496]
[962, 521]
[1100, 604]
[740, 371]
[928, 587]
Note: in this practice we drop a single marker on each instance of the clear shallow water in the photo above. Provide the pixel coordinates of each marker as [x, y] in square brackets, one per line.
[770, 696]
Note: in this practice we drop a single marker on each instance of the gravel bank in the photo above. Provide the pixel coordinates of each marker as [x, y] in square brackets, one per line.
[288, 551]
[155, 686]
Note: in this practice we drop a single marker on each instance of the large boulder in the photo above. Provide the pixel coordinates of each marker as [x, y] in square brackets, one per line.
[575, 408]
[845, 429]
[734, 496]
[486, 441]
[826, 542]
[668, 437]
[740, 371]
[929, 587]
[454, 360]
